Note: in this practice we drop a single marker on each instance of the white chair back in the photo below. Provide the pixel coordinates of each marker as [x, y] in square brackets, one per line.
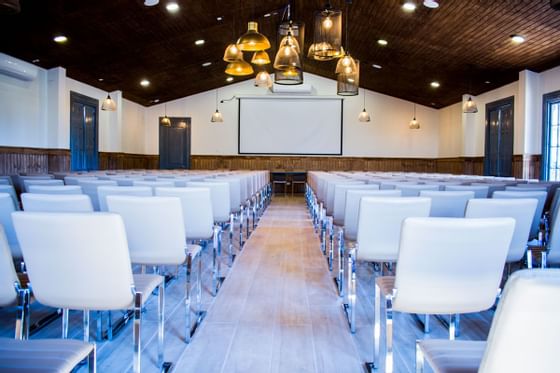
[352, 208]
[414, 190]
[154, 228]
[196, 204]
[154, 183]
[35, 202]
[339, 202]
[12, 192]
[449, 265]
[553, 245]
[524, 334]
[8, 276]
[234, 191]
[76, 261]
[6, 209]
[75, 180]
[6, 180]
[61, 189]
[447, 204]
[111, 190]
[47, 182]
[219, 192]
[522, 210]
[331, 187]
[528, 193]
[480, 191]
[379, 225]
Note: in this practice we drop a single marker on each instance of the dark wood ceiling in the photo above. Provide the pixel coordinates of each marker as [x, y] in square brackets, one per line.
[464, 45]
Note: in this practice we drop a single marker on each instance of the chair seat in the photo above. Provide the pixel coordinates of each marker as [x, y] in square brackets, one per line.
[146, 284]
[386, 284]
[453, 356]
[193, 250]
[46, 355]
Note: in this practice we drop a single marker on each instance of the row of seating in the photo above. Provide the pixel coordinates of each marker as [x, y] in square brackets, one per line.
[150, 225]
[449, 247]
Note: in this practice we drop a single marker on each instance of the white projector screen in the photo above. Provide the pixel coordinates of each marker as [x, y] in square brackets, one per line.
[307, 126]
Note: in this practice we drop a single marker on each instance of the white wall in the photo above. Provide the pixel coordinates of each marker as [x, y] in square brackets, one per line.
[387, 135]
[451, 131]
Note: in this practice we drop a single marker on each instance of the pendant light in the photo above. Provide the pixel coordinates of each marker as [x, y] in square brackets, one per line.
[239, 68]
[217, 116]
[165, 121]
[414, 124]
[252, 40]
[470, 106]
[260, 58]
[364, 116]
[327, 34]
[288, 69]
[263, 79]
[109, 104]
[233, 53]
[347, 68]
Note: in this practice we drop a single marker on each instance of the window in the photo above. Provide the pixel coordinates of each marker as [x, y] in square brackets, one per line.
[551, 137]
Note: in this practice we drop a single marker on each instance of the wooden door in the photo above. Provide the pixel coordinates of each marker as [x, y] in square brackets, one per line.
[175, 144]
[498, 153]
[83, 133]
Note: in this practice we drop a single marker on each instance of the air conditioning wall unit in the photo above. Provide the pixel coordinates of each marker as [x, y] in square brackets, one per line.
[17, 69]
[296, 89]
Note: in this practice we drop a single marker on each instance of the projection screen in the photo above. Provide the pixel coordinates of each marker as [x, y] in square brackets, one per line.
[306, 126]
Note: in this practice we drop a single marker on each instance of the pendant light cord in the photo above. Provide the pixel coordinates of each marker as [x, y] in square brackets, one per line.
[348, 2]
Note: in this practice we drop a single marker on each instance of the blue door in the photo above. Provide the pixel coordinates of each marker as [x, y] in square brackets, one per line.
[83, 133]
[498, 152]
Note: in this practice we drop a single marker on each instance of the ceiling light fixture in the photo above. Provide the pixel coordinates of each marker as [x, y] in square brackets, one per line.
[219, 19]
[288, 68]
[260, 58]
[347, 68]
[432, 4]
[517, 39]
[239, 68]
[232, 53]
[165, 121]
[253, 40]
[376, 66]
[206, 64]
[414, 124]
[382, 42]
[470, 106]
[409, 6]
[60, 39]
[229, 79]
[199, 42]
[263, 79]
[327, 34]
[144, 82]
[217, 116]
[109, 104]
[172, 7]
[434, 84]
[151, 2]
[364, 115]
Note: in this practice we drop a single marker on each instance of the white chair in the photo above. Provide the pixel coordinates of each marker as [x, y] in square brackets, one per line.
[156, 236]
[36, 202]
[6, 209]
[45, 355]
[448, 204]
[89, 187]
[46, 182]
[111, 190]
[528, 193]
[81, 261]
[154, 183]
[12, 192]
[523, 336]
[47, 189]
[446, 266]
[19, 183]
[552, 254]
[480, 191]
[522, 210]
[339, 201]
[6, 180]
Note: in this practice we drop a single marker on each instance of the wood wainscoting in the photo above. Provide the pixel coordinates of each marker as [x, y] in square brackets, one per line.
[20, 160]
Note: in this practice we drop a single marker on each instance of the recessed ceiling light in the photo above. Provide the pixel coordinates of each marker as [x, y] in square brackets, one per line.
[219, 19]
[172, 7]
[60, 39]
[267, 15]
[144, 82]
[431, 4]
[487, 82]
[229, 79]
[376, 66]
[433, 104]
[199, 42]
[36, 60]
[151, 2]
[382, 42]
[434, 84]
[100, 79]
[155, 101]
[206, 64]
[517, 39]
[409, 6]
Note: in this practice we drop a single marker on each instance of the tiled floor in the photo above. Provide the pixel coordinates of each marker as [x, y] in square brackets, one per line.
[277, 311]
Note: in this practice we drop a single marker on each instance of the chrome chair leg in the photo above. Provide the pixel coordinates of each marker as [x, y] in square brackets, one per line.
[389, 333]
[377, 327]
[419, 358]
[161, 324]
[340, 257]
[22, 319]
[188, 299]
[65, 313]
[86, 325]
[241, 227]
[92, 360]
[350, 306]
[230, 243]
[136, 331]
[216, 265]
[331, 244]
